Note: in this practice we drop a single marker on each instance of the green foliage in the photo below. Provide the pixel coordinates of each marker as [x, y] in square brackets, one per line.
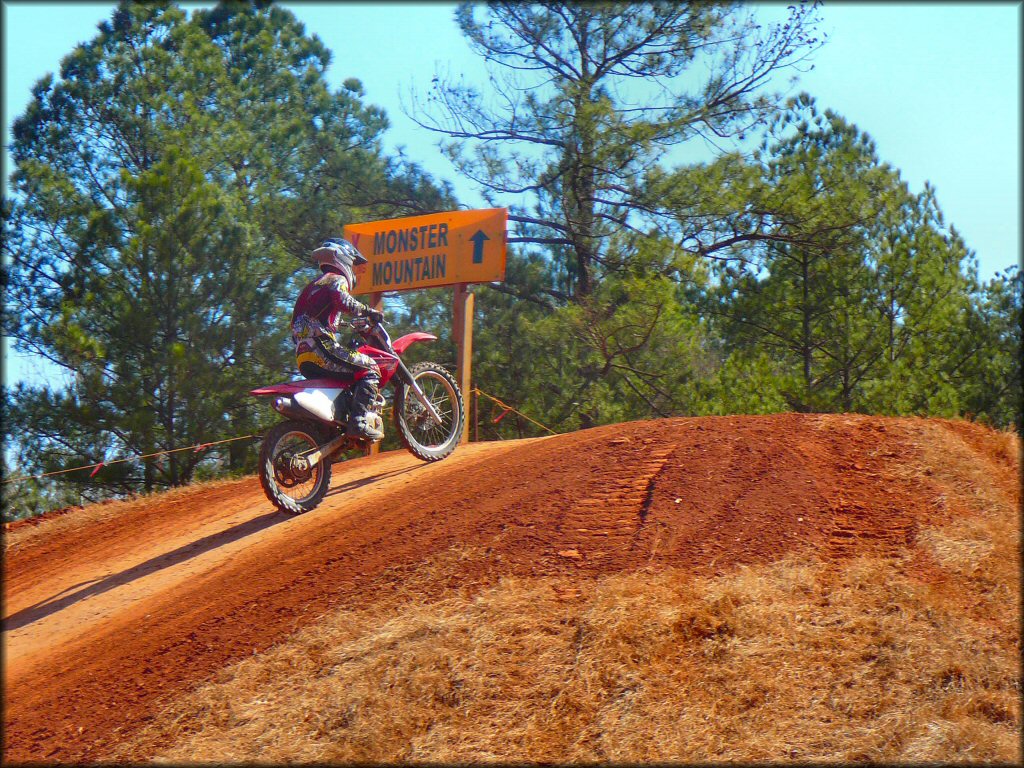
[805, 277]
[985, 368]
[845, 291]
[594, 361]
[808, 277]
[170, 181]
[802, 279]
[28, 498]
[168, 186]
[584, 100]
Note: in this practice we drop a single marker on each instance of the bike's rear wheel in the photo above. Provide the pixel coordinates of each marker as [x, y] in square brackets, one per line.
[419, 433]
[291, 486]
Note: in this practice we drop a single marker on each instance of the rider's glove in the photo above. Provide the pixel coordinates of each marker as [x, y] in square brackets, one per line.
[375, 315]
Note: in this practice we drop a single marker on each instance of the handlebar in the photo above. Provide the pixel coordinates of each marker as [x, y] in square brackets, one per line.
[375, 331]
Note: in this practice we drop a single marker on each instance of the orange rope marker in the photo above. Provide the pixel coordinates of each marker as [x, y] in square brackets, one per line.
[96, 467]
[508, 408]
[203, 446]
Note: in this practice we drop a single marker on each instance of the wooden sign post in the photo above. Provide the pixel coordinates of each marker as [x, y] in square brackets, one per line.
[462, 333]
[452, 248]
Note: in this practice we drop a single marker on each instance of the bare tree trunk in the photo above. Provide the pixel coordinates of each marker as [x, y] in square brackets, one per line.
[805, 340]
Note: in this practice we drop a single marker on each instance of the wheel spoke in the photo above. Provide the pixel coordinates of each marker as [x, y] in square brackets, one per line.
[291, 445]
[439, 393]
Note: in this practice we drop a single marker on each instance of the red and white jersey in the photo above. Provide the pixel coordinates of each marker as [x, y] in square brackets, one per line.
[321, 308]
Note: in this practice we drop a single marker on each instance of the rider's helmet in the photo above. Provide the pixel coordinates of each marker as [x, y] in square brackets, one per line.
[339, 255]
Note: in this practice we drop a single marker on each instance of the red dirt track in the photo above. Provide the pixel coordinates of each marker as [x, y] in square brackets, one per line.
[108, 616]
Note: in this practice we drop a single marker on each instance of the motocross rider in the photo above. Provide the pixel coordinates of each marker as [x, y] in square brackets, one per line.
[319, 312]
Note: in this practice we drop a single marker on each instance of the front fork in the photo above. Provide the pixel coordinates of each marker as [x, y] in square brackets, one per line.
[380, 335]
[424, 401]
[305, 461]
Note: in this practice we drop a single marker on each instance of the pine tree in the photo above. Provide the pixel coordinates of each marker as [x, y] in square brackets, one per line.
[585, 100]
[168, 186]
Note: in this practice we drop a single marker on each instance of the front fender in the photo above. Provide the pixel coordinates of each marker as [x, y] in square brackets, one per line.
[402, 343]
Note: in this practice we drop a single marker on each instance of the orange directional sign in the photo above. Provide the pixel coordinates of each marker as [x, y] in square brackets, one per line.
[428, 251]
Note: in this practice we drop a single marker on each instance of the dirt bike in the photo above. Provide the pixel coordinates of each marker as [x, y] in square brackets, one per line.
[296, 455]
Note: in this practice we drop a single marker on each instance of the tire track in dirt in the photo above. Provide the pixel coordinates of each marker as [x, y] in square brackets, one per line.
[701, 493]
[619, 499]
[861, 519]
[731, 495]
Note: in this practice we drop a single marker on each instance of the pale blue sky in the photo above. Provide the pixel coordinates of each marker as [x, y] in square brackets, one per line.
[936, 85]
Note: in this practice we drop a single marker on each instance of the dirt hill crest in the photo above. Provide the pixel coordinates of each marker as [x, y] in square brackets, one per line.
[112, 614]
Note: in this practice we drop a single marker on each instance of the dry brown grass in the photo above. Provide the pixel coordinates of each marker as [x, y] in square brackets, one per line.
[1009, 443]
[796, 661]
[883, 660]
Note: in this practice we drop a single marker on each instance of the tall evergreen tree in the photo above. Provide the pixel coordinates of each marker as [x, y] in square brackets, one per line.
[585, 99]
[583, 104]
[983, 365]
[797, 281]
[168, 185]
[841, 290]
[924, 278]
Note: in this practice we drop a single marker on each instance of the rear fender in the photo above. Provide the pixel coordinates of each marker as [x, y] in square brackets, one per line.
[291, 387]
[314, 396]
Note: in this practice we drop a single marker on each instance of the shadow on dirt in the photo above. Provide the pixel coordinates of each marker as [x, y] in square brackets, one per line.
[351, 486]
[87, 589]
[180, 555]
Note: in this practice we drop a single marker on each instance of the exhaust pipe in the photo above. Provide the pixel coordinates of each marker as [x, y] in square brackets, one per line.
[289, 408]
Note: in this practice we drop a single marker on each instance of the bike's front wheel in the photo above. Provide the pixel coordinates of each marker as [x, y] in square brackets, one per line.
[291, 483]
[419, 433]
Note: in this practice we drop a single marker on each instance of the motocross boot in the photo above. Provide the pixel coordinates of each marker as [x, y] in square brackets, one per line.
[362, 422]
